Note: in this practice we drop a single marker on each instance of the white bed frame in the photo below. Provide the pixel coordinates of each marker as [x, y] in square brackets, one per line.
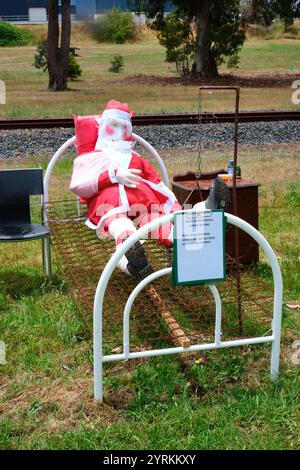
[100, 358]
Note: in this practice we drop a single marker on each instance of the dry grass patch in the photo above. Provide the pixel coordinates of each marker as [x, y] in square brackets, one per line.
[269, 164]
[57, 405]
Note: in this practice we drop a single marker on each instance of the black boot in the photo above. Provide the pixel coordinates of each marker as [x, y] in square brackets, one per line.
[219, 195]
[138, 264]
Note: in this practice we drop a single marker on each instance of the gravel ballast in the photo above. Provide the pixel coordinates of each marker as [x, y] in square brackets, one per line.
[26, 142]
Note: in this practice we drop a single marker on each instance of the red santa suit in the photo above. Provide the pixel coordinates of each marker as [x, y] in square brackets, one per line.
[96, 179]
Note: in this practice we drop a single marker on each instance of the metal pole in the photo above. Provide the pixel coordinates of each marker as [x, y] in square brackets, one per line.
[234, 194]
[47, 266]
[235, 212]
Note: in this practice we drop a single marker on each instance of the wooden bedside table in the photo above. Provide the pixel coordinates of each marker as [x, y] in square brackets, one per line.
[247, 207]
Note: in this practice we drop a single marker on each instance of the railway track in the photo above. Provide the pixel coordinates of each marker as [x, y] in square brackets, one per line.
[159, 119]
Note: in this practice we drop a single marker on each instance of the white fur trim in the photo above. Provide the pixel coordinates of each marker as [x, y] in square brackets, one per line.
[119, 226]
[116, 113]
[90, 224]
[123, 263]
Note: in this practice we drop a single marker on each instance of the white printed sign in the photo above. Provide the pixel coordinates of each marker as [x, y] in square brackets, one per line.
[199, 247]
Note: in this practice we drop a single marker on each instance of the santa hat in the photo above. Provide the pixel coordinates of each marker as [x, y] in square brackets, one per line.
[117, 111]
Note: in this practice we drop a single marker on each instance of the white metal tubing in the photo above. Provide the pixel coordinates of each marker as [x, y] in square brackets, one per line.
[47, 265]
[194, 347]
[142, 233]
[155, 155]
[140, 287]
[58, 154]
[78, 207]
[218, 320]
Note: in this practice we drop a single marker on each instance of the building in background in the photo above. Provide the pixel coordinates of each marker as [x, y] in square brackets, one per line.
[27, 11]
[89, 9]
[35, 11]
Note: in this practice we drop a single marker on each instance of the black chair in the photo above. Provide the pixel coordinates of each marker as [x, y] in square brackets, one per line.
[15, 221]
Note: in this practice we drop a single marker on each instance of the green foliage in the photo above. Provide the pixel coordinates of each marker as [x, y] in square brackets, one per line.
[115, 26]
[177, 37]
[258, 12]
[40, 61]
[191, 32]
[117, 64]
[264, 12]
[40, 58]
[233, 61]
[12, 36]
[287, 10]
[226, 34]
[74, 70]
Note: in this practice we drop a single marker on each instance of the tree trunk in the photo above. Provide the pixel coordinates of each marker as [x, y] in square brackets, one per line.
[287, 24]
[205, 64]
[57, 57]
[65, 39]
[52, 44]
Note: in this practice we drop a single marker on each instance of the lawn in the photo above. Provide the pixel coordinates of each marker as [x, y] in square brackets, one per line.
[46, 388]
[266, 71]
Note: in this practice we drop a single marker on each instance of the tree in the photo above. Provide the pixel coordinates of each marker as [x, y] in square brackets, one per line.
[287, 10]
[40, 61]
[58, 51]
[178, 39]
[265, 11]
[216, 28]
[257, 12]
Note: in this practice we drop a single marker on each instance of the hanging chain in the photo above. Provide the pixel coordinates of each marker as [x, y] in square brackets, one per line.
[198, 174]
[199, 149]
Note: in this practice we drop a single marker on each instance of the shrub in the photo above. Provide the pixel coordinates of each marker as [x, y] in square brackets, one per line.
[74, 70]
[114, 26]
[117, 63]
[40, 61]
[233, 61]
[178, 39]
[11, 36]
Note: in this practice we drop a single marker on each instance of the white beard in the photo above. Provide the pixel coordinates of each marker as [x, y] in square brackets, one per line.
[105, 141]
[117, 158]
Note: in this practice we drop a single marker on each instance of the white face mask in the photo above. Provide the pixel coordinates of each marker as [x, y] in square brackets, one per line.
[112, 134]
[115, 131]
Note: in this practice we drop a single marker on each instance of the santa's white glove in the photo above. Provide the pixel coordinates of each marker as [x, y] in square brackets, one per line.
[128, 177]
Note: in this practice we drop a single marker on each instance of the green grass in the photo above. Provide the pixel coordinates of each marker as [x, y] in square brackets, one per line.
[270, 56]
[46, 387]
[284, 218]
[27, 94]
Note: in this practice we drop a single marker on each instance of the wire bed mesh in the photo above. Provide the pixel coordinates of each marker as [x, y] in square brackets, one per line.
[83, 257]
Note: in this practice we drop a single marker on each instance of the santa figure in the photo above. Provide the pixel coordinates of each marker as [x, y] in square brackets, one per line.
[124, 192]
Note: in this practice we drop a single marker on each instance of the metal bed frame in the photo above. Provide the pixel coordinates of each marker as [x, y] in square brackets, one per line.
[99, 357]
